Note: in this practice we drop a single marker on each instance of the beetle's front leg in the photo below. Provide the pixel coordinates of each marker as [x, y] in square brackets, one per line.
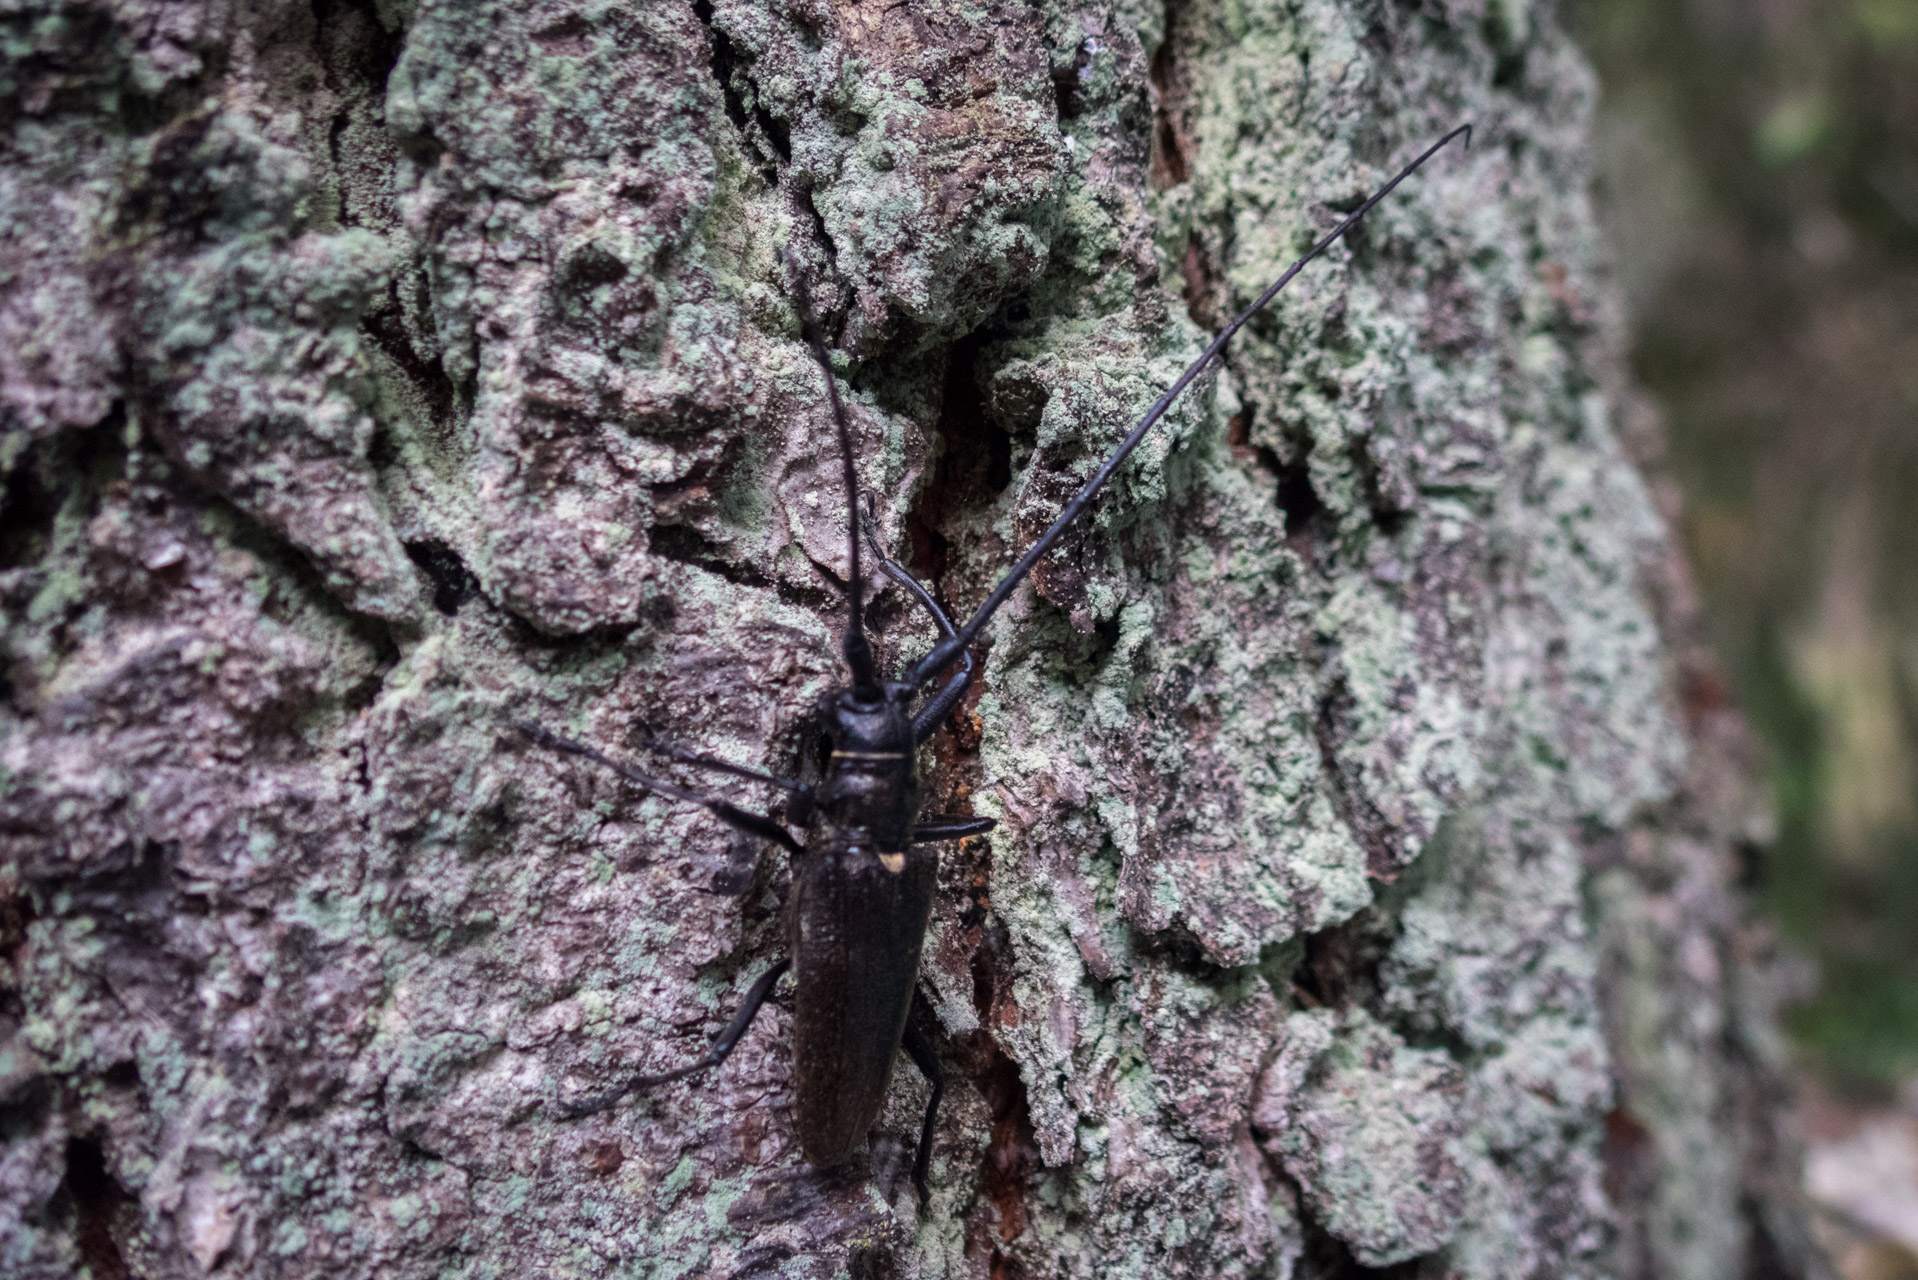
[699, 760]
[934, 713]
[753, 824]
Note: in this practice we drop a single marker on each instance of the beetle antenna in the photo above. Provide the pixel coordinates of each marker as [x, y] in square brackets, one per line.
[857, 648]
[949, 648]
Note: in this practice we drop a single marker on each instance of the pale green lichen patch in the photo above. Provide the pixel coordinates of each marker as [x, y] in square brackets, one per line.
[1371, 1130]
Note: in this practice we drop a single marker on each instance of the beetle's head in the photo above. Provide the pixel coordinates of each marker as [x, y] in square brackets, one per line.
[854, 720]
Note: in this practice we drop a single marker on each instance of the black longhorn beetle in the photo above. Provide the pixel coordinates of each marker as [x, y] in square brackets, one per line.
[863, 878]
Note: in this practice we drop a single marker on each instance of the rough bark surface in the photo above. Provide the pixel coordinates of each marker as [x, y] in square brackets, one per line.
[378, 372]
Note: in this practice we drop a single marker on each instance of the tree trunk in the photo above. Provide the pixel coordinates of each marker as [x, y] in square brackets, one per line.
[379, 373]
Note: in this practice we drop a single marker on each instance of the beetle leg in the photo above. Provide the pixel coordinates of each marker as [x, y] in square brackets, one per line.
[673, 751]
[934, 827]
[748, 1010]
[934, 713]
[799, 808]
[753, 824]
[927, 1061]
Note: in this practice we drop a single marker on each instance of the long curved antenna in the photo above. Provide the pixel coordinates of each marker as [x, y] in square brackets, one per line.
[949, 648]
[858, 650]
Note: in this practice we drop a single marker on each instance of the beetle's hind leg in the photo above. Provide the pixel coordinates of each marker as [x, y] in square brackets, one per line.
[748, 1010]
[920, 1051]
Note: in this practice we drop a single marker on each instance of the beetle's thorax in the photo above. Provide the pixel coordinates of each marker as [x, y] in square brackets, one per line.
[871, 787]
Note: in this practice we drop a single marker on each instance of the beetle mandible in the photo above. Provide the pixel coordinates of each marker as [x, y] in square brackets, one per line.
[864, 874]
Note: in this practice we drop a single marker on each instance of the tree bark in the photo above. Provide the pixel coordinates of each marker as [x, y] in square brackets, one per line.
[379, 373]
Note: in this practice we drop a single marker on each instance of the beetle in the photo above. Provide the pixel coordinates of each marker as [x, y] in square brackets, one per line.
[864, 875]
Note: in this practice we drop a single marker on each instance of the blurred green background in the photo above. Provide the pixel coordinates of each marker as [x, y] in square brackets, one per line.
[1759, 181]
